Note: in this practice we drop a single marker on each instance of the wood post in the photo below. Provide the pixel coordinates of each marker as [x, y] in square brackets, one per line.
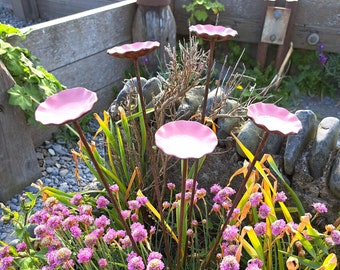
[18, 161]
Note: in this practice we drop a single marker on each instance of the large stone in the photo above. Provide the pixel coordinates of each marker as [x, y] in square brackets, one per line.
[323, 145]
[297, 143]
[273, 144]
[192, 100]
[250, 136]
[229, 122]
[334, 181]
[151, 89]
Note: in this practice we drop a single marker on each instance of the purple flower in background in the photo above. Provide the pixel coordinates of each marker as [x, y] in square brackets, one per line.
[85, 255]
[335, 234]
[102, 263]
[280, 196]
[230, 233]
[278, 226]
[21, 246]
[229, 263]
[135, 262]
[260, 228]
[255, 198]
[264, 211]
[76, 199]
[320, 207]
[102, 202]
[323, 58]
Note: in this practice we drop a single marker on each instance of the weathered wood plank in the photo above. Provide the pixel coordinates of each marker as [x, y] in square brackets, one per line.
[312, 16]
[18, 161]
[66, 40]
[52, 9]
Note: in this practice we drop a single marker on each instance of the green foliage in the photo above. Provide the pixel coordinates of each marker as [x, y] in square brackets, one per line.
[33, 83]
[199, 9]
[332, 69]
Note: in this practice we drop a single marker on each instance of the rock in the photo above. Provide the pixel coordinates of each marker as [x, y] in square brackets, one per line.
[151, 89]
[214, 96]
[191, 102]
[227, 124]
[324, 143]
[334, 181]
[250, 136]
[273, 144]
[296, 143]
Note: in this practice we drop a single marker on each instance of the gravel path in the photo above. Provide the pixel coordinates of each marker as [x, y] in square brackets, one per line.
[7, 17]
[58, 171]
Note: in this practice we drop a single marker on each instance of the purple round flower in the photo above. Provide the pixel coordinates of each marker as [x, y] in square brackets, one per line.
[320, 207]
[75, 231]
[278, 227]
[189, 184]
[335, 234]
[255, 198]
[102, 221]
[215, 188]
[185, 139]
[135, 262]
[171, 186]
[280, 196]
[260, 228]
[230, 233]
[76, 199]
[63, 254]
[6, 262]
[274, 119]
[85, 255]
[229, 263]
[102, 202]
[102, 263]
[138, 232]
[65, 106]
[134, 204]
[264, 210]
[21, 247]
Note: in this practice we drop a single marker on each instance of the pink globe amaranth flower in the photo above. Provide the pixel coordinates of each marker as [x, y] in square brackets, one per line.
[229, 262]
[76, 199]
[260, 228]
[274, 119]
[278, 227]
[65, 106]
[102, 221]
[280, 196]
[230, 233]
[102, 263]
[75, 231]
[171, 186]
[85, 255]
[134, 50]
[335, 234]
[213, 32]
[264, 210]
[138, 232]
[21, 247]
[320, 207]
[135, 262]
[255, 198]
[185, 139]
[215, 188]
[102, 202]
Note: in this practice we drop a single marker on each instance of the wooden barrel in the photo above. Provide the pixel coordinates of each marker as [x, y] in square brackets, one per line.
[154, 21]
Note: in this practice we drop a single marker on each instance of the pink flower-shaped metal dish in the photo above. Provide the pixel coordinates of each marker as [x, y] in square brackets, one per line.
[185, 139]
[213, 32]
[134, 50]
[65, 106]
[274, 119]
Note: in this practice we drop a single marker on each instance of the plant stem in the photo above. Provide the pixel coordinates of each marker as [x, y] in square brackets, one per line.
[237, 198]
[207, 82]
[152, 159]
[106, 186]
[181, 215]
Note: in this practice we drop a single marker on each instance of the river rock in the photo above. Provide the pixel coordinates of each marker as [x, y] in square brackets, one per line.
[250, 136]
[297, 143]
[324, 143]
[191, 102]
[334, 181]
[151, 89]
[227, 124]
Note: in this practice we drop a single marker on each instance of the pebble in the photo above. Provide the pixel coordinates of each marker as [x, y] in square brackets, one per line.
[58, 172]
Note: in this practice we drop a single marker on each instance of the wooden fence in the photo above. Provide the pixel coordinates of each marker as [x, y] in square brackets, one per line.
[74, 47]
[312, 17]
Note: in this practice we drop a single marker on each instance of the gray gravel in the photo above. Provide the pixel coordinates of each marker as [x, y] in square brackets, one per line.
[58, 171]
[7, 17]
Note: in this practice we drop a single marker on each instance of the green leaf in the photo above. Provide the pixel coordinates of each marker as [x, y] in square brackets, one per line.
[200, 15]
